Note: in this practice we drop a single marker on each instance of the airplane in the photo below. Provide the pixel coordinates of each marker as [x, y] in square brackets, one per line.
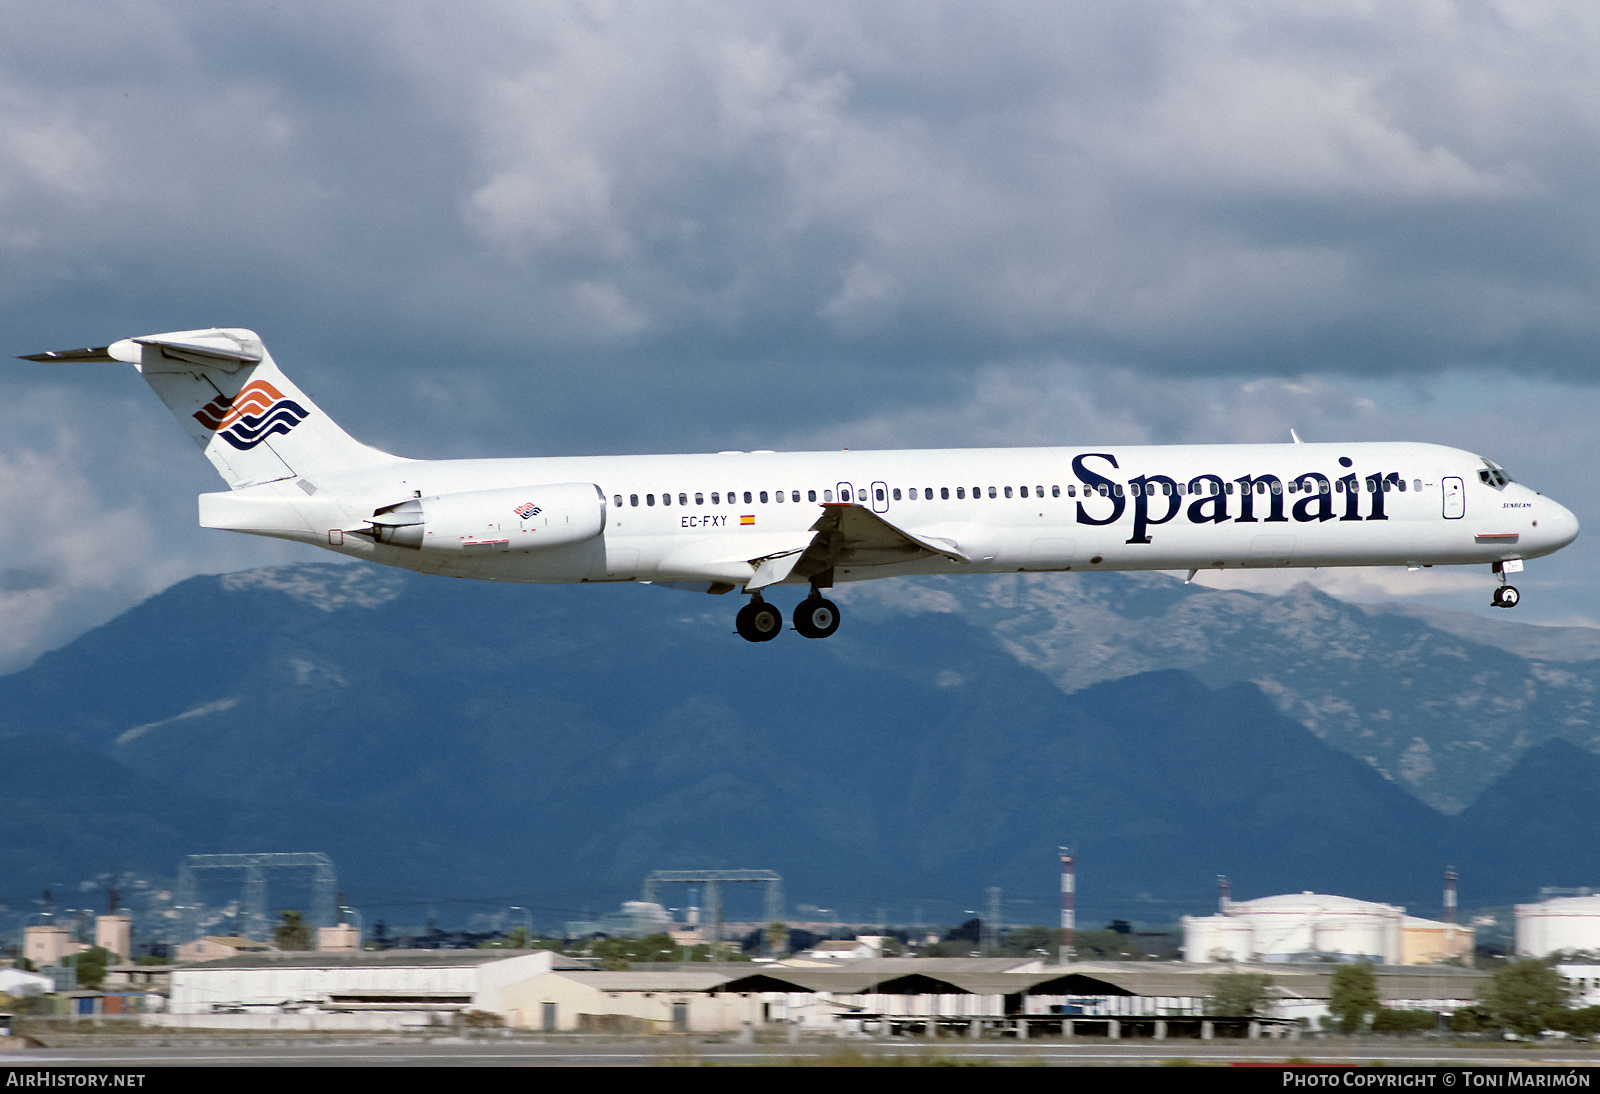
[754, 520]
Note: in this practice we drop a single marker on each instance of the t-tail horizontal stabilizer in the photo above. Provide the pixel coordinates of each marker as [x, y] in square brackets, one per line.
[251, 421]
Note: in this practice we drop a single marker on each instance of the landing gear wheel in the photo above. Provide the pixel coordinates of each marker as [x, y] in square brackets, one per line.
[758, 622]
[815, 617]
[1506, 596]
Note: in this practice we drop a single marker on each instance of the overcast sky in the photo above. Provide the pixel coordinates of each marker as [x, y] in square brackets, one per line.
[540, 228]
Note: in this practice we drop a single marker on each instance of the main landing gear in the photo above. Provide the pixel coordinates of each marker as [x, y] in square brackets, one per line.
[1506, 596]
[758, 621]
[814, 617]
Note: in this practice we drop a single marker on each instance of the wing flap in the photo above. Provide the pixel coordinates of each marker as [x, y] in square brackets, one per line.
[853, 535]
[845, 534]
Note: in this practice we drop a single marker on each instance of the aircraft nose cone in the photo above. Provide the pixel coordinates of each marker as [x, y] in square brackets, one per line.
[1560, 525]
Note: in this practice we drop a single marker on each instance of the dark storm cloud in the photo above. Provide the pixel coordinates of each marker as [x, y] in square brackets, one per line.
[1181, 188]
[534, 228]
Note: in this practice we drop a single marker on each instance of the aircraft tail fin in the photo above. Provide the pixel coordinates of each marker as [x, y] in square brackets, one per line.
[252, 422]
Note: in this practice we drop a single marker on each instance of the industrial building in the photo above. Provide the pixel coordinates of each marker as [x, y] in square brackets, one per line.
[216, 947]
[544, 992]
[389, 989]
[1310, 926]
[1584, 980]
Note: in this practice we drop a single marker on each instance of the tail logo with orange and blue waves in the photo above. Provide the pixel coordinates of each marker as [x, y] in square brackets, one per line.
[259, 411]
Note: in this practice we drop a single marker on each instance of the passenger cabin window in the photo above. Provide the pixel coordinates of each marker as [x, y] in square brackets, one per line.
[666, 499]
[747, 497]
[827, 495]
[617, 501]
[715, 500]
[992, 492]
[961, 493]
[699, 498]
[897, 493]
[649, 499]
[944, 493]
[811, 495]
[633, 499]
[1055, 491]
[683, 499]
[794, 495]
[777, 497]
[763, 497]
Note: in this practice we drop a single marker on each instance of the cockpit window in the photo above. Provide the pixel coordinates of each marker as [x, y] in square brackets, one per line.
[1494, 475]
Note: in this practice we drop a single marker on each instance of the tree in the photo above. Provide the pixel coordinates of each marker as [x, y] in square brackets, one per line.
[91, 965]
[514, 939]
[1354, 996]
[1527, 997]
[967, 932]
[1025, 940]
[1239, 994]
[1404, 1021]
[1584, 1022]
[293, 932]
[622, 953]
[1106, 945]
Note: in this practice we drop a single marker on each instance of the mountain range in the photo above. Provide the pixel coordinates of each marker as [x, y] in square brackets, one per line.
[549, 746]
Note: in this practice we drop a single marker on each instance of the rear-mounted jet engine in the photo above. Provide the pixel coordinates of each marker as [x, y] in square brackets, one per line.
[522, 518]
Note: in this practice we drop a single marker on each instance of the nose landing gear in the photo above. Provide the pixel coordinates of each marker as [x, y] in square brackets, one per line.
[1506, 596]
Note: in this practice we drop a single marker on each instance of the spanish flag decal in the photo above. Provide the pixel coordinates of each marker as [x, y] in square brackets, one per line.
[749, 518]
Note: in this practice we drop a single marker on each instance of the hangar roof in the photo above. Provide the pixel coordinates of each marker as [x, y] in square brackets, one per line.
[304, 959]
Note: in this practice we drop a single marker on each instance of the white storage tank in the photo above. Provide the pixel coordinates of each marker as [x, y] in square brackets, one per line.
[1564, 923]
[1281, 928]
[1217, 938]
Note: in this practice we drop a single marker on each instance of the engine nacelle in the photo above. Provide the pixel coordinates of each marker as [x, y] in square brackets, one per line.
[519, 518]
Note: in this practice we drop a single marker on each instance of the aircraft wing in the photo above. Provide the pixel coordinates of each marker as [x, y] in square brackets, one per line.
[853, 535]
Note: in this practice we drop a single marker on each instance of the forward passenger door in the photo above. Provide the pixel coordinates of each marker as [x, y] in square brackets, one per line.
[1455, 498]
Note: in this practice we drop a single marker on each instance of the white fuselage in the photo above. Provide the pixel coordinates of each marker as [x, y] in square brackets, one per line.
[1108, 507]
